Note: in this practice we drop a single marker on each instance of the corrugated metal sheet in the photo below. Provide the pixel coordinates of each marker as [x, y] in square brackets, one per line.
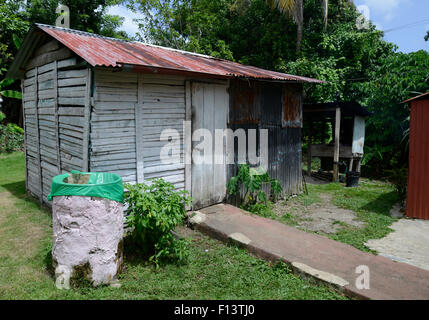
[261, 107]
[418, 178]
[108, 52]
[292, 106]
[244, 102]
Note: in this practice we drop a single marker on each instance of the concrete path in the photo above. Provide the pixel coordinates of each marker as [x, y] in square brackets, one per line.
[408, 243]
[327, 260]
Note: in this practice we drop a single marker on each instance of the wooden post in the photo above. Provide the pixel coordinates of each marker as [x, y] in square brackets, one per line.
[351, 164]
[358, 166]
[309, 157]
[39, 159]
[57, 123]
[24, 125]
[87, 120]
[337, 144]
[139, 130]
[187, 136]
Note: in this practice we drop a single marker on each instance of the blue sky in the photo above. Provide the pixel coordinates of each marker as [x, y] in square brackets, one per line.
[405, 21]
[412, 15]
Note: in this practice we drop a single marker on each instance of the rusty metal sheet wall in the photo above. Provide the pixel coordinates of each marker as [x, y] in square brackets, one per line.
[244, 102]
[265, 104]
[292, 106]
[271, 103]
[418, 179]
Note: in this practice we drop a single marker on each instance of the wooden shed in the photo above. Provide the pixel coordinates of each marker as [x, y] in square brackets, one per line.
[98, 104]
[347, 120]
[418, 176]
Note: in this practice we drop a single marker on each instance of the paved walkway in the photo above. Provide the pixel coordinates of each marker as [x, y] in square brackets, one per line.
[409, 243]
[314, 255]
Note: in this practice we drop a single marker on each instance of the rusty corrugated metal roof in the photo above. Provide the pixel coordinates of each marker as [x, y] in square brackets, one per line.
[101, 51]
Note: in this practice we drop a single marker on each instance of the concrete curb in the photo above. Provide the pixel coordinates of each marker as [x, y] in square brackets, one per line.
[296, 268]
[312, 256]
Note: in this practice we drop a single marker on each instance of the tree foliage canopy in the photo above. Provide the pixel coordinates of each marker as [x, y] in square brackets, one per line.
[16, 16]
[358, 64]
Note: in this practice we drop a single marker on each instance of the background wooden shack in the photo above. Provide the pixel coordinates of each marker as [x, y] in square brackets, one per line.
[99, 104]
[347, 121]
[418, 177]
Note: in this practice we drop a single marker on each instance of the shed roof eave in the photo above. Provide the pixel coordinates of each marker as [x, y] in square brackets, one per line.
[419, 97]
[31, 41]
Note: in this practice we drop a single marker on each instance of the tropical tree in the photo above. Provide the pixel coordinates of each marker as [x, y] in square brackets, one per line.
[85, 15]
[16, 16]
[295, 10]
[325, 7]
[8, 93]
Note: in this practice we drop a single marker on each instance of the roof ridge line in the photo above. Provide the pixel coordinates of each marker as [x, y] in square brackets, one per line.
[128, 41]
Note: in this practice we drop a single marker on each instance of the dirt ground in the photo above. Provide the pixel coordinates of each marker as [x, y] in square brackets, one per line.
[321, 217]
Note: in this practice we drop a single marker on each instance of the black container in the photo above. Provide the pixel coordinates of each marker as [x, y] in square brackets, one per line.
[352, 179]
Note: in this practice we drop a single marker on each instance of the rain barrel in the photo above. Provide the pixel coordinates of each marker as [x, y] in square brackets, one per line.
[352, 179]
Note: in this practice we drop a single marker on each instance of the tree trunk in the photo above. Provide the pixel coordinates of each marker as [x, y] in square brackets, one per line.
[325, 14]
[300, 24]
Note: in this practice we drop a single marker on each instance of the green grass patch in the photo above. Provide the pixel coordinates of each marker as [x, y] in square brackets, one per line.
[213, 270]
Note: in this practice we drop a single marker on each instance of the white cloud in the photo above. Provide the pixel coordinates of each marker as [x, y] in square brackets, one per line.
[129, 25]
[389, 9]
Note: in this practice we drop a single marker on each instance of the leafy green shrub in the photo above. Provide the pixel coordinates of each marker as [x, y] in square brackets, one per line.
[399, 178]
[154, 211]
[11, 136]
[255, 199]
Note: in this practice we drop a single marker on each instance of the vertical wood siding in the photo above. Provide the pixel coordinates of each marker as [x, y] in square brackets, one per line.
[210, 106]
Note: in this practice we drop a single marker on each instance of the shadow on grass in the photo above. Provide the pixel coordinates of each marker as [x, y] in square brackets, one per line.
[382, 204]
[16, 188]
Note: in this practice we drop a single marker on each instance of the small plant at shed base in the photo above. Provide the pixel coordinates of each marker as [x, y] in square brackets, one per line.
[255, 199]
[155, 209]
[399, 178]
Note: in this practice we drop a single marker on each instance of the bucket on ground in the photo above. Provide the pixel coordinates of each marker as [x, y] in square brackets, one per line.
[352, 179]
[88, 219]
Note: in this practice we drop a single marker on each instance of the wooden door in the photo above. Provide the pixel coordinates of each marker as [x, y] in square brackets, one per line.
[210, 105]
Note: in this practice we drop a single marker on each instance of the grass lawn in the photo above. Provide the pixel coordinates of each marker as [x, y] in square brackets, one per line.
[214, 270]
[370, 202]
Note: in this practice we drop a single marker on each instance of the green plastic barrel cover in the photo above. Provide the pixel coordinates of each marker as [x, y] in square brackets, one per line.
[95, 184]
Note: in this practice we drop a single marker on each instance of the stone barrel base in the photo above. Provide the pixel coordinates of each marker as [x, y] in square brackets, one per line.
[87, 239]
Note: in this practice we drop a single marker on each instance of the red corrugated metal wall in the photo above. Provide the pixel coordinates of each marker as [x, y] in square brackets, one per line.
[418, 179]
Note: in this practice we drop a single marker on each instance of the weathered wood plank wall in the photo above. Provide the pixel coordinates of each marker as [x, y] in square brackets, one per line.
[53, 113]
[163, 108]
[129, 113]
[113, 125]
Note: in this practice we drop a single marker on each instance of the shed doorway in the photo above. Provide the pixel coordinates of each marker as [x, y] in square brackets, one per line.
[210, 107]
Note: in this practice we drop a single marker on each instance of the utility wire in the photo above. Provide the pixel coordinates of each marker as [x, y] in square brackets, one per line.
[410, 25]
